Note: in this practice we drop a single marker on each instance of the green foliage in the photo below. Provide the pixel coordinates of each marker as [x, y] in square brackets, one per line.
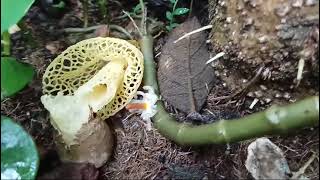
[14, 76]
[19, 156]
[137, 9]
[12, 11]
[175, 12]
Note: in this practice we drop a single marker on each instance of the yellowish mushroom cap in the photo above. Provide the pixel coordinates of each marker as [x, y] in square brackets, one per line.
[78, 64]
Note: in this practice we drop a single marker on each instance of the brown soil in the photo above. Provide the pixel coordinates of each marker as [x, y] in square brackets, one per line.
[142, 154]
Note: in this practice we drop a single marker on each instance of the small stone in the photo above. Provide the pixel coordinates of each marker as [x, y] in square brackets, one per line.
[248, 22]
[283, 20]
[265, 160]
[267, 100]
[264, 48]
[228, 19]
[240, 7]
[266, 74]
[282, 9]
[263, 39]
[222, 3]
[258, 93]
[205, 178]
[250, 94]
[263, 87]
[311, 2]
[278, 95]
[286, 95]
[255, 3]
[243, 13]
[297, 3]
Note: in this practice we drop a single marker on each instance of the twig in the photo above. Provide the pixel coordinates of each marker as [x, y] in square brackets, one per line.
[135, 17]
[301, 171]
[193, 32]
[220, 54]
[92, 28]
[134, 23]
[300, 71]
[190, 8]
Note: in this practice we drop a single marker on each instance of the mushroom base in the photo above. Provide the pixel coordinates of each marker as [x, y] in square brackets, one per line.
[94, 144]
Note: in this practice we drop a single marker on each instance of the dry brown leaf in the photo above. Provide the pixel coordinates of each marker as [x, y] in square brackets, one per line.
[184, 78]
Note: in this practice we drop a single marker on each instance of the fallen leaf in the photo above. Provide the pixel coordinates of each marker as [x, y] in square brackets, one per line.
[184, 78]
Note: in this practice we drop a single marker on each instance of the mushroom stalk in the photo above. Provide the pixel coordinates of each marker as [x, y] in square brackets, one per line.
[273, 121]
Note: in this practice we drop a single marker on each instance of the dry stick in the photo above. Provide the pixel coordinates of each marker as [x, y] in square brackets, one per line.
[92, 28]
[274, 120]
[134, 23]
[304, 167]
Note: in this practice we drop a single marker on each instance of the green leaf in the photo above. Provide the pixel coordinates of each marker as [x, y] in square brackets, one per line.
[19, 155]
[173, 25]
[60, 5]
[181, 11]
[12, 11]
[14, 76]
[169, 15]
[172, 1]
[169, 28]
[137, 9]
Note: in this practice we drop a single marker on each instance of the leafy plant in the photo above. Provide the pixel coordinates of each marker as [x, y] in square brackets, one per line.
[136, 11]
[175, 12]
[12, 11]
[14, 75]
[19, 155]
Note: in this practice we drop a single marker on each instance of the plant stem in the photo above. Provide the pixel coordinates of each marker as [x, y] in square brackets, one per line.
[103, 6]
[173, 9]
[6, 43]
[92, 28]
[85, 13]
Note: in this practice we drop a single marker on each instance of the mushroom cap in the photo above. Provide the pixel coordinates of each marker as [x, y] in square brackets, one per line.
[80, 62]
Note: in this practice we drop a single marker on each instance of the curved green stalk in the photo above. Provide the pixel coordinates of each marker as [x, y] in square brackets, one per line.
[6, 43]
[275, 120]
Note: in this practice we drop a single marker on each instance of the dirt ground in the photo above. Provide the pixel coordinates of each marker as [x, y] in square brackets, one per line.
[141, 154]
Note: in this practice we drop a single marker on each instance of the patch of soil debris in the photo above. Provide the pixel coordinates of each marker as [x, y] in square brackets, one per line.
[142, 154]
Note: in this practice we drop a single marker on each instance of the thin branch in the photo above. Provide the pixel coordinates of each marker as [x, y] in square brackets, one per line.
[92, 28]
[304, 167]
[134, 23]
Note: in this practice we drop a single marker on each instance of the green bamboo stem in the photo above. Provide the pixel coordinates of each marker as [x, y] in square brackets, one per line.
[6, 43]
[273, 121]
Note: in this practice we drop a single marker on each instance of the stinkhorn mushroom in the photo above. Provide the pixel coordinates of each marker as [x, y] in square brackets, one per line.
[89, 82]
